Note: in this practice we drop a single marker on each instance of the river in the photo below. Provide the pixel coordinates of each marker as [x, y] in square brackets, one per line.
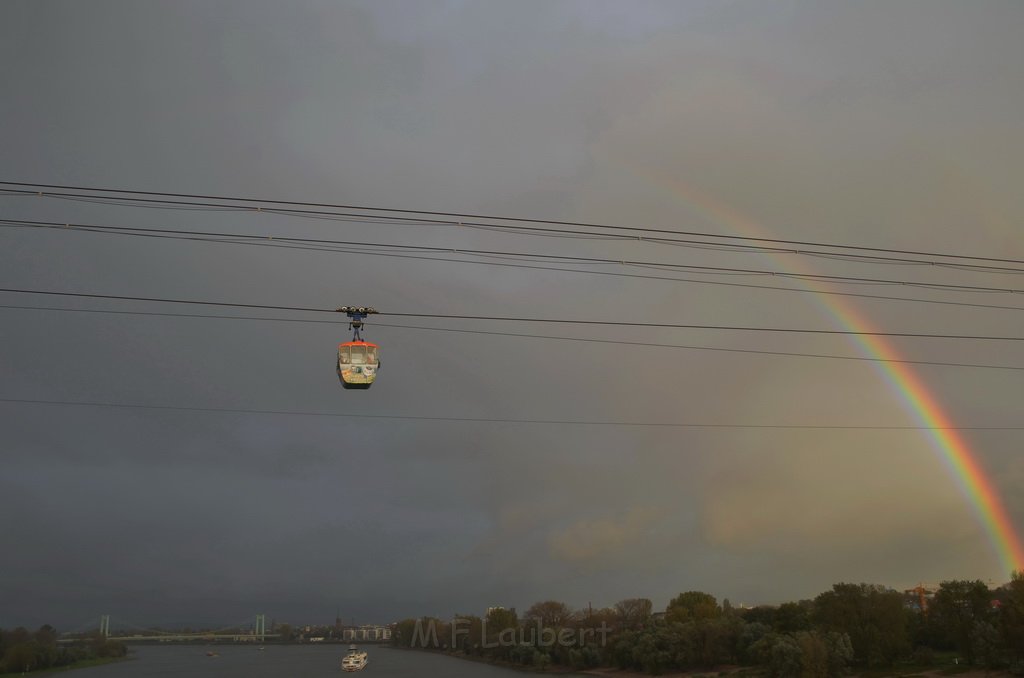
[283, 661]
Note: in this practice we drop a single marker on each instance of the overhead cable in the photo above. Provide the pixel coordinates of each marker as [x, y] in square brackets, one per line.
[567, 321]
[185, 198]
[792, 354]
[502, 420]
[328, 245]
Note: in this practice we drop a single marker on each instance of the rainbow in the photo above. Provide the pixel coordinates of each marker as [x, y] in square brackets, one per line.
[962, 464]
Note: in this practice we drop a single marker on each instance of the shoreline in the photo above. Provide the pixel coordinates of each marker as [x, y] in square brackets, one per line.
[729, 670]
[84, 664]
[553, 669]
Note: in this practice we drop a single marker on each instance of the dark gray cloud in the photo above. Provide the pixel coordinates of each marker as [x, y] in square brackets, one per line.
[894, 126]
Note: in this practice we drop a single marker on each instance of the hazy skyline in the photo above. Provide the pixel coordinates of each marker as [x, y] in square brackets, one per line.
[891, 125]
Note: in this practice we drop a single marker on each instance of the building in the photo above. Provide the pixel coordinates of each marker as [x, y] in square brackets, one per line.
[367, 632]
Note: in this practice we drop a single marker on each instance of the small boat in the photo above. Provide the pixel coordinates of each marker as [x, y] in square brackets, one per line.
[355, 660]
[261, 648]
[211, 653]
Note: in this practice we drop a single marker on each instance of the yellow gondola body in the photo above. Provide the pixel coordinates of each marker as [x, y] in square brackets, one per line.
[358, 362]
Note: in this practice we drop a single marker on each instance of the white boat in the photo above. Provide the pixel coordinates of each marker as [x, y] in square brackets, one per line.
[355, 660]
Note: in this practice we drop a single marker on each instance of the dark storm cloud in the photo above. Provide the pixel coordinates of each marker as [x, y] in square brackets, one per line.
[879, 124]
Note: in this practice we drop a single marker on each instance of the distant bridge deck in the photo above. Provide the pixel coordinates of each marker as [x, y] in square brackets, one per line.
[243, 638]
[181, 637]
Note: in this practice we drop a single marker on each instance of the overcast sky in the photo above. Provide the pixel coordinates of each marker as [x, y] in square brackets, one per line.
[891, 125]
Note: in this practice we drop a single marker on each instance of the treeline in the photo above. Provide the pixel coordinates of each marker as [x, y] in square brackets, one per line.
[22, 650]
[851, 625]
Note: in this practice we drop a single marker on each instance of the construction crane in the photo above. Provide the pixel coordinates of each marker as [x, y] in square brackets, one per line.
[923, 593]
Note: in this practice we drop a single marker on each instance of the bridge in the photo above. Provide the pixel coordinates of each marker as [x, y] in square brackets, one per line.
[180, 637]
[235, 633]
[245, 631]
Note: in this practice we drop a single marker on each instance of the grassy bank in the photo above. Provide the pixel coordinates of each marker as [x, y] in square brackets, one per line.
[85, 663]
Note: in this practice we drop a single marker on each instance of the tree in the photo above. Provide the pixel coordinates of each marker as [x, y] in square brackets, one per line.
[872, 616]
[499, 619]
[18, 636]
[840, 653]
[426, 633]
[779, 654]
[21, 657]
[710, 641]
[792, 617]
[748, 637]
[813, 655]
[403, 633]
[985, 644]
[468, 633]
[692, 605]
[1012, 615]
[633, 611]
[807, 654]
[501, 626]
[46, 635]
[958, 605]
[609, 616]
[762, 614]
[550, 613]
[659, 648]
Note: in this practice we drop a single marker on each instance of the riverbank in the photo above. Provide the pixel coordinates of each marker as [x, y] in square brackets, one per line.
[608, 672]
[552, 669]
[83, 664]
[749, 671]
[732, 671]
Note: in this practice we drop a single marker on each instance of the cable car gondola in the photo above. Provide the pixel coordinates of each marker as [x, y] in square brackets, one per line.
[358, 360]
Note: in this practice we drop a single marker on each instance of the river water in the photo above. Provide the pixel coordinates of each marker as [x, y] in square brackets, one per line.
[283, 661]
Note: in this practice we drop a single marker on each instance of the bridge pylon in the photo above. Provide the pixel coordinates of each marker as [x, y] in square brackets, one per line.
[261, 626]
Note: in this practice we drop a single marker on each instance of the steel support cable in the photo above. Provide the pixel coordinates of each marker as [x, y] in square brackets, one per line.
[567, 321]
[792, 354]
[499, 420]
[457, 217]
[268, 241]
[214, 236]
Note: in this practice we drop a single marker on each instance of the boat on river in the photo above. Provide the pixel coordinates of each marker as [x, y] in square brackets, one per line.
[355, 660]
